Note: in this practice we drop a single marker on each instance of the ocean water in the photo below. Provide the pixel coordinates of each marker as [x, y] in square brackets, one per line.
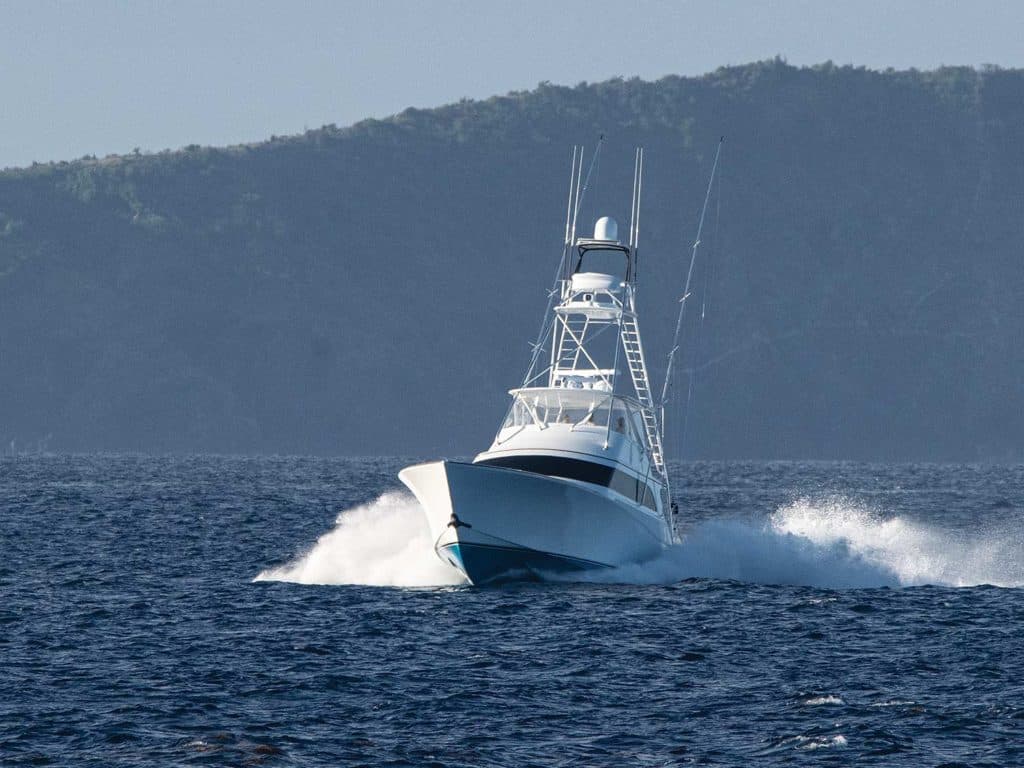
[289, 612]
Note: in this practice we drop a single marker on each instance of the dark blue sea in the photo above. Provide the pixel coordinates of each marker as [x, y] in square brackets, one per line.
[289, 612]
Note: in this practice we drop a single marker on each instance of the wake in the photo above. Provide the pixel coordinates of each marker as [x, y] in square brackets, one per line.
[835, 544]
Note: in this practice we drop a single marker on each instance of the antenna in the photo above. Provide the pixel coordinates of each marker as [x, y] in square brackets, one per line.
[581, 193]
[632, 203]
[576, 200]
[568, 206]
[577, 150]
[634, 210]
[639, 189]
[634, 213]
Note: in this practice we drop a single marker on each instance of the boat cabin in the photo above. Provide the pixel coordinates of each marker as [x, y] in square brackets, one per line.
[583, 421]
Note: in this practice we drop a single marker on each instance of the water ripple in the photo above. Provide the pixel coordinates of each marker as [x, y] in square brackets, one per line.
[816, 614]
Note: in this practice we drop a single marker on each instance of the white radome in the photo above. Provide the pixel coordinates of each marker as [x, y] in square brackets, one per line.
[606, 228]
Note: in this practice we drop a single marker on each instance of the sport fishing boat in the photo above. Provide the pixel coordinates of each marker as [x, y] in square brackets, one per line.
[575, 478]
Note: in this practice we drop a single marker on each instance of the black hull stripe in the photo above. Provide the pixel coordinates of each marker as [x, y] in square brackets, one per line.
[585, 471]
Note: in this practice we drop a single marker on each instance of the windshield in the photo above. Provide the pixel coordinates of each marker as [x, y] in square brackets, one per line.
[577, 409]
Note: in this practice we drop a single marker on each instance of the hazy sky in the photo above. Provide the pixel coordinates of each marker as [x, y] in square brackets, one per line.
[98, 77]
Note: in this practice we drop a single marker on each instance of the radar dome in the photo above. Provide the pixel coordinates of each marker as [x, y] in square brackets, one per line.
[606, 229]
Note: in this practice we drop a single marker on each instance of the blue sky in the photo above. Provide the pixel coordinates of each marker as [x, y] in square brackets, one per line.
[103, 77]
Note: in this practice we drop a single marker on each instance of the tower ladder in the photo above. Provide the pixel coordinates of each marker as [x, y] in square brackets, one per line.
[634, 351]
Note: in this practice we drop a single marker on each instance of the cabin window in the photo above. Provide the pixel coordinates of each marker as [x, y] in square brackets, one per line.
[518, 416]
[624, 421]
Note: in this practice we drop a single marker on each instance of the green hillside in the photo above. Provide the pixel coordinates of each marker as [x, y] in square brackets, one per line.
[373, 289]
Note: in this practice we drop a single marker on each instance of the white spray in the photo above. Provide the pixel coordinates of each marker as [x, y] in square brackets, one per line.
[836, 545]
[384, 543]
[833, 544]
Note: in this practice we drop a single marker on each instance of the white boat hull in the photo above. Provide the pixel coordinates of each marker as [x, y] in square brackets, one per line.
[494, 523]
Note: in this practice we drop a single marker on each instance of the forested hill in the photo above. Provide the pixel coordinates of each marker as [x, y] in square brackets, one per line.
[373, 289]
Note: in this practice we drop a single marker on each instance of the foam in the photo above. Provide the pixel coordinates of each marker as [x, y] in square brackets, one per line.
[835, 544]
[826, 742]
[823, 701]
[916, 553]
[383, 543]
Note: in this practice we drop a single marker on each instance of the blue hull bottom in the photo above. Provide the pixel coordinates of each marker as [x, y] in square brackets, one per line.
[489, 564]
